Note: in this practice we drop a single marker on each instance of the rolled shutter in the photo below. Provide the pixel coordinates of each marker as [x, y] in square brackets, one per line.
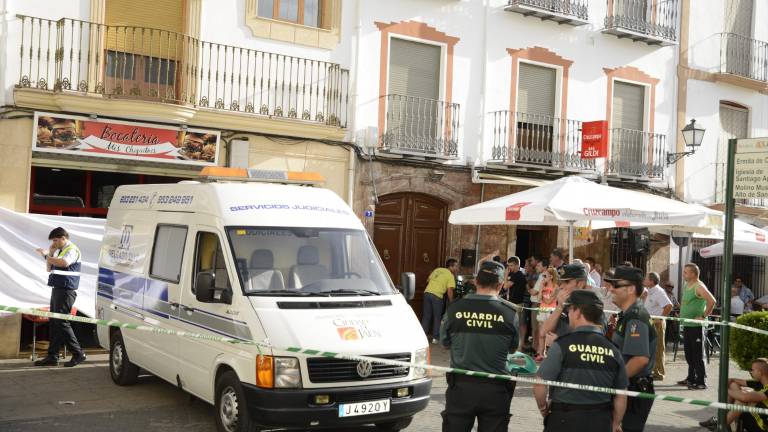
[536, 90]
[738, 17]
[166, 17]
[414, 69]
[628, 106]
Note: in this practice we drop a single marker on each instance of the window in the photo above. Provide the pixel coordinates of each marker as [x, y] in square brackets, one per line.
[536, 112]
[628, 142]
[306, 12]
[158, 69]
[209, 257]
[120, 65]
[168, 252]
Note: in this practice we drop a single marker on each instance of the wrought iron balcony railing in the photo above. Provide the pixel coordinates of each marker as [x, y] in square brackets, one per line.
[574, 12]
[743, 56]
[540, 140]
[649, 21]
[420, 126]
[70, 55]
[635, 153]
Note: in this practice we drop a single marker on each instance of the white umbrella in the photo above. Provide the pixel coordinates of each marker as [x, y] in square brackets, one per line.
[573, 200]
[747, 240]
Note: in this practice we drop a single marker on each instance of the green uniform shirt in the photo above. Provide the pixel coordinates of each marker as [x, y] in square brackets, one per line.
[584, 356]
[635, 335]
[439, 281]
[692, 306]
[480, 331]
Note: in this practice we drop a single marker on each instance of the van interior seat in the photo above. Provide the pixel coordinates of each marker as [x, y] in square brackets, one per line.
[308, 269]
[262, 273]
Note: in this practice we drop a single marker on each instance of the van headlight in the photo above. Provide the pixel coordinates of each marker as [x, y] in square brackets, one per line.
[287, 372]
[421, 357]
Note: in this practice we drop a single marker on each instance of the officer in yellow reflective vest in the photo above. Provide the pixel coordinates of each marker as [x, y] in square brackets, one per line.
[62, 261]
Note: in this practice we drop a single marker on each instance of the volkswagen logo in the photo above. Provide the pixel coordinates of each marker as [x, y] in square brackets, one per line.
[364, 368]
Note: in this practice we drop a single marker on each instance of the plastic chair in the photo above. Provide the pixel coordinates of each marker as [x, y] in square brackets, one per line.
[36, 320]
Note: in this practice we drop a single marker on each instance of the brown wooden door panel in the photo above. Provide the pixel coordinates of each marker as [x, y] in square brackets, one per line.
[394, 208]
[389, 244]
[428, 212]
[426, 257]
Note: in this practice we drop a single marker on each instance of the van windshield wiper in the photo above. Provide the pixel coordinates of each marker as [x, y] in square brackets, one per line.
[285, 293]
[361, 292]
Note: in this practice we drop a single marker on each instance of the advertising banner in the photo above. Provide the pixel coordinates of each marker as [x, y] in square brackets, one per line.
[77, 135]
[594, 139]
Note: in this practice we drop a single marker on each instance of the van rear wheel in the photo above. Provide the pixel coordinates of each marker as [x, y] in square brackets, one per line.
[231, 409]
[394, 426]
[122, 371]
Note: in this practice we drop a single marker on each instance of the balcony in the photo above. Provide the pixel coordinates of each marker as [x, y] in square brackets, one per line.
[571, 12]
[650, 21]
[637, 155]
[539, 143]
[421, 127]
[76, 57]
[744, 58]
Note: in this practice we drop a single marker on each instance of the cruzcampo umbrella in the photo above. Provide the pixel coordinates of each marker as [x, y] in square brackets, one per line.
[576, 201]
[747, 240]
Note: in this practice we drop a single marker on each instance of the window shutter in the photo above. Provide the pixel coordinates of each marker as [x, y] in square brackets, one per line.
[628, 106]
[536, 90]
[414, 69]
[738, 17]
[167, 15]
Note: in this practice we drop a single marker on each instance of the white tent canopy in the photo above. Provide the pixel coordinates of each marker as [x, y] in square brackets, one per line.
[747, 240]
[575, 201]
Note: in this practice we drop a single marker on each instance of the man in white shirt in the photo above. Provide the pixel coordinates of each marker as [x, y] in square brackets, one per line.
[593, 273]
[737, 304]
[657, 303]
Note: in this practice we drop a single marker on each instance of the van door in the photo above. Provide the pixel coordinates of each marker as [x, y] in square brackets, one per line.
[161, 297]
[197, 356]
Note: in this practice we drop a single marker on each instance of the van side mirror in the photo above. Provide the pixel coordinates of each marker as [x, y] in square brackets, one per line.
[206, 291]
[408, 285]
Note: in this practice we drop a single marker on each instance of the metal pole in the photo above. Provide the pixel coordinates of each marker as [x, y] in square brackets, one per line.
[725, 292]
[570, 241]
[679, 269]
[477, 238]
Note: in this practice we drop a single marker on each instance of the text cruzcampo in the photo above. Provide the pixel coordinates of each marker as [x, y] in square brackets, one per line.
[591, 353]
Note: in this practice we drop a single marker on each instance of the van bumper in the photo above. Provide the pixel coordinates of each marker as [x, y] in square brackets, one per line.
[294, 408]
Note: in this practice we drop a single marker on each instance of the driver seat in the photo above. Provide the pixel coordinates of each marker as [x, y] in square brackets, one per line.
[308, 269]
[262, 272]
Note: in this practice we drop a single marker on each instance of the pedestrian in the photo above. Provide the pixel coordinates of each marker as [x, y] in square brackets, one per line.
[756, 396]
[635, 337]
[440, 282]
[670, 290]
[534, 288]
[62, 261]
[594, 273]
[697, 304]
[517, 283]
[582, 356]
[480, 331]
[658, 304]
[548, 300]
[557, 258]
[737, 304]
[745, 293]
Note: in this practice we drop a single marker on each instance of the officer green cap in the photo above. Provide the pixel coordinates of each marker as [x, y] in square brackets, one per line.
[632, 274]
[492, 267]
[585, 298]
[572, 271]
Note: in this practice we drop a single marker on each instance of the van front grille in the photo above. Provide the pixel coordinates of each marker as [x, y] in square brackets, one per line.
[327, 370]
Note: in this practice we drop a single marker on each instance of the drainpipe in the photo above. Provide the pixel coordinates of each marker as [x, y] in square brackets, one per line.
[353, 112]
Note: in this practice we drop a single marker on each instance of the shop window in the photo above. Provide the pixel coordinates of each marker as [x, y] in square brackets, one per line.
[104, 185]
[168, 252]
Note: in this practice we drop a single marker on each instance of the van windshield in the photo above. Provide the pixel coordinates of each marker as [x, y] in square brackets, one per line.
[307, 261]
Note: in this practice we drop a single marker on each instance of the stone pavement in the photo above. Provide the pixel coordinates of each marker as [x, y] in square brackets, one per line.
[665, 416]
[85, 399]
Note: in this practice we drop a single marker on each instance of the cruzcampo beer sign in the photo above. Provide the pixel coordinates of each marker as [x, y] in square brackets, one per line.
[594, 139]
[76, 135]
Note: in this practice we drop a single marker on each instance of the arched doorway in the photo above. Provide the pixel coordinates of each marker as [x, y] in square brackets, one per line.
[409, 233]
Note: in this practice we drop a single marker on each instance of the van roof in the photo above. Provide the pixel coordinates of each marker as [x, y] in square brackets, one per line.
[242, 204]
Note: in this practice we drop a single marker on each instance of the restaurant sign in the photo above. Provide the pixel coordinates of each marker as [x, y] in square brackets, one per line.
[77, 135]
[594, 139]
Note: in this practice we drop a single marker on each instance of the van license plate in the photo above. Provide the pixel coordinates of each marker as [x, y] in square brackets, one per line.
[364, 408]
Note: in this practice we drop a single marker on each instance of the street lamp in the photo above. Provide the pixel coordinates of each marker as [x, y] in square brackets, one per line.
[692, 135]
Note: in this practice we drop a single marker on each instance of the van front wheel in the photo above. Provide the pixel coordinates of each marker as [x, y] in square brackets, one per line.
[122, 371]
[231, 410]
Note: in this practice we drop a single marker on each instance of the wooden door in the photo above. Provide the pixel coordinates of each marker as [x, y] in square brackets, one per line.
[409, 234]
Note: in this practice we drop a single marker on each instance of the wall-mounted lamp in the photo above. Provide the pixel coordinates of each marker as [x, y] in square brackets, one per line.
[693, 135]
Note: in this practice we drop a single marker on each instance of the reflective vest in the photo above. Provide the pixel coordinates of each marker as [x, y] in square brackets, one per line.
[66, 277]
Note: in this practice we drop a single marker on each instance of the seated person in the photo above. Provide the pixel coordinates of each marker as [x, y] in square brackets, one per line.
[762, 302]
[757, 396]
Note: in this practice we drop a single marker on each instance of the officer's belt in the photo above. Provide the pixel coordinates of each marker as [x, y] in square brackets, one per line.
[474, 379]
[561, 406]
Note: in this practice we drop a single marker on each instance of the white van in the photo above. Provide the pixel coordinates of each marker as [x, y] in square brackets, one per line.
[285, 264]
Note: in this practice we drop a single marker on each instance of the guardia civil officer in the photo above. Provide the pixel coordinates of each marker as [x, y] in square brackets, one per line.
[582, 356]
[480, 331]
[570, 277]
[62, 261]
[635, 337]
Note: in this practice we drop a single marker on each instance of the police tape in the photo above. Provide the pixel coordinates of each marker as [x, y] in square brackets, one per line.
[668, 318]
[354, 357]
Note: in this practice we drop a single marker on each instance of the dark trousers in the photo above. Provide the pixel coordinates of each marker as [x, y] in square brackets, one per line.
[637, 408]
[468, 398]
[431, 314]
[62, 300]
[693, 341]
[587, 420]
